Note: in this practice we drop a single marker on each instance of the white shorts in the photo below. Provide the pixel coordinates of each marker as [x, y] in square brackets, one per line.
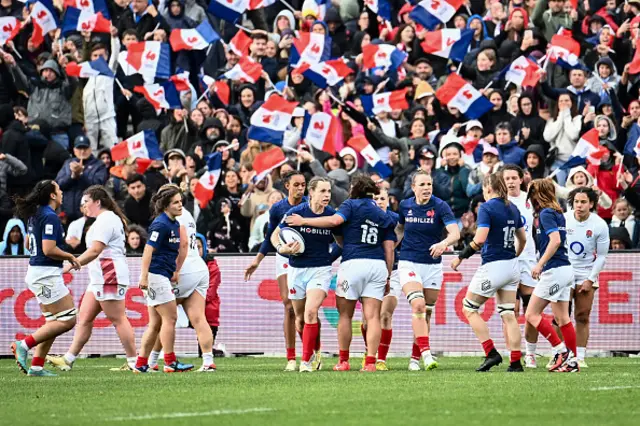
[190, 282]
[429, 275]
[494, 276]
[108, 292]
[160, 290]
[526, 265]
[362, 278]
[555, 284]
[46, 283]
[301, 280]
[396, 288]
[282, 265]
[581, 275]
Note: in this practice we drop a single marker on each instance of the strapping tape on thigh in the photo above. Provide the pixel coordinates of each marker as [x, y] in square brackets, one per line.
[66, 315]
[507, 308]
[470, 305]
[415, 295]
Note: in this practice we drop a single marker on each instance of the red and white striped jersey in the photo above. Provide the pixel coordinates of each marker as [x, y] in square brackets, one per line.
[110, 268]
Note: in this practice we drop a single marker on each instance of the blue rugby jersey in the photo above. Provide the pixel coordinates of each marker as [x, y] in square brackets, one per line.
[502, 221]
[164, 237]
[44, 225]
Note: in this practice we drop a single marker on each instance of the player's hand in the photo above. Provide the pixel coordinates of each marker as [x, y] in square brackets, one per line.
[387, 286]
[174, 278]
[536, 271]
[250, 270]
[455, 263]
[586, 286]
[67, 268]
[291, 248]
[143, 283]
[436, 250]
[74, 263]
[294, 220]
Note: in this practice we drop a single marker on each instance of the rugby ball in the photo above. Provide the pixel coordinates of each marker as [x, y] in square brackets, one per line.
[289, 235]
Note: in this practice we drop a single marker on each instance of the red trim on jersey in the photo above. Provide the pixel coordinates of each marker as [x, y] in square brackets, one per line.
[109, 275]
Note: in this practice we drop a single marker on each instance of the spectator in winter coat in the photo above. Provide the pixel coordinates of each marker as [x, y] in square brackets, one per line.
[489, 165]
[225, 233]
[180, 133]
[143, 17]
[562, 133]
[137, 206]
[528, 124]
[619, 239]
[510, 152]
[150, 119]
[13, 143]
[9, 166]
[623, 217]
[77, 174]
[534, 161]
[258, 194]
[579, 177]
[13, 239]
[606, 175]
[450, 180]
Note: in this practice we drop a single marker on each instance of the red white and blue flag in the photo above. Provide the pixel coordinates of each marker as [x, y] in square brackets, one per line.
[203, 191]
[266, 161]
[246, 71]
[327, 73]
[448, 43]
[220, 88]
[457, 93]
[384, 56]
[269, 122]
[259, 4]
[229, 10]
[430, 13]
[9, 28]
[151, 59]
[319, 131]
[44, 20]
[523, 72]
[588, 149]
[380, 8]
[198, 38]
[385, 102]
[90, 6]
[140, 145]
[89, 69]
[564, 50]
[364, 148]
[181, 81]
[636, 149]
[162, 95]
[240, 43]
[310, 48]
[78, 20]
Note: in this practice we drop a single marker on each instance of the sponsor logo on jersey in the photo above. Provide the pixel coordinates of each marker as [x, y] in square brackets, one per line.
[554, 289]
[486, 285]
[410, 212]
[176, 291]
[152, 294]
[121, 291]
[154, 236]
[344, 285]
[419, 219]
[48, 229]
[316, 231]
[46, 292]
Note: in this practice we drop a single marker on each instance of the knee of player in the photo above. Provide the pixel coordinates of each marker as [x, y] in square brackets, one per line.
[416, 299]
[507, 311]
[470, 307]
[311, 316]
[385, 318]
[531, 317]
[582, 317]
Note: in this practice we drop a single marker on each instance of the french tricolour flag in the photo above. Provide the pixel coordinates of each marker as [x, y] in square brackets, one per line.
[91, 6]
[229, 10]
[430, 13]
[456, 92]
[259, 4]
[310, 48]
[203, 191]
[9, 28]
[89, 69]
[588, 149]
[564, 48]
[328, 73]
[448, 43]
[522, 72]
[246, 70]
[198, 38]
[636, 149]
[269, 122]
[240, 43]
[318, 130]
[380, 8]
[383, 56]
[267, 161]
[385, 102]
[220, 88]
[140, 145]
[163, 95]
[79, 20]
[181, 81]
[149, 58]
[44, 20]
[361, 145]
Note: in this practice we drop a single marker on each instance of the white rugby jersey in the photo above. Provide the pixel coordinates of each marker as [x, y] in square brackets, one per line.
[110, 268]
[588, 243]
[526, 212]
[193, 262]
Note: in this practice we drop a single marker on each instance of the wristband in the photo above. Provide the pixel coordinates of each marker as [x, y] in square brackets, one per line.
[468, 251]
[278, 248]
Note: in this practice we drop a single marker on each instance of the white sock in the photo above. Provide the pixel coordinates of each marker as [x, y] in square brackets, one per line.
[70, 358]
[24, 346]
[531, 348]
[131, 361]
[153, 358]
[561, 348]
[582, 352]
[207, 358]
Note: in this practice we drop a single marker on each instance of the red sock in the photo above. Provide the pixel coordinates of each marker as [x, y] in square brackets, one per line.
[141, 361]
[363, 330]
[515, 356]
[487, 345]
[291, 354]
[546, 329]
[423, 343]
[344, 356]
[569, 334]
[415, 352]
[317, 347]
[309, 336]
[370, 360]
[169, 358]
[36, 361]
[30, 341]
[385, 342]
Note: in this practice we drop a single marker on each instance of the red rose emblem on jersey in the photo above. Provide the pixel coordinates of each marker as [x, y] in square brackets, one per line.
[589, 233]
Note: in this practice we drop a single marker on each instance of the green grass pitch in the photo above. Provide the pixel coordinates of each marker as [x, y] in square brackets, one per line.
[255, 391]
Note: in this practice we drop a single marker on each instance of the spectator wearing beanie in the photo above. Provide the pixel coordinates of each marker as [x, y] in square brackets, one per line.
[619, 239]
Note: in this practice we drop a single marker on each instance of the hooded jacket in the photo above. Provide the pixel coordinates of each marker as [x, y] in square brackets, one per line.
[179, 21]
[532, 121]
[178, 135]
[8, 249]
[484, 33]
[549, 22]
[97, 95]
[511, 153]
[612, 136]
[450, 185]
[276, 37]
[621, 234]
[595, 84]
[563, 133]
[562, 192]
[539, 171]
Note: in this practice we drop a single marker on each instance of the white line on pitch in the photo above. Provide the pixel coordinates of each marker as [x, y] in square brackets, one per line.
[192, 414]
[608, 388]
